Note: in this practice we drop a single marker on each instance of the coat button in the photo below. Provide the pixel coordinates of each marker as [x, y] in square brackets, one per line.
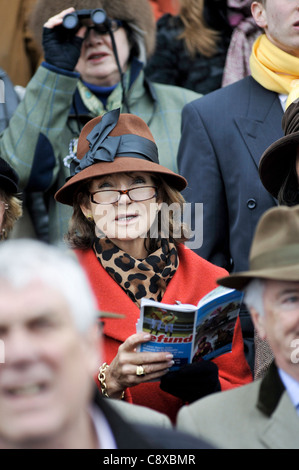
[251, 204]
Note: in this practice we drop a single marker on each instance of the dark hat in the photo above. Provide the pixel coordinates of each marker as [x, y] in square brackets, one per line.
[115, 143]
[8, 177]
[274, 251]
[277, 160]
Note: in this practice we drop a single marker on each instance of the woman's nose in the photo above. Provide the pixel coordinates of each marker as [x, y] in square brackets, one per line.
[124, 199]
[91, 37]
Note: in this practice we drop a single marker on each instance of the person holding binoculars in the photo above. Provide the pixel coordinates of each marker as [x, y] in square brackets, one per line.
[89, 69]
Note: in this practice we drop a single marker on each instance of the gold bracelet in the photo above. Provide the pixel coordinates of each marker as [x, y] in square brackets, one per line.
[102, 380]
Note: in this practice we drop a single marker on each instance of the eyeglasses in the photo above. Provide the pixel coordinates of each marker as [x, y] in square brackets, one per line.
[111, 196]
[103, 28]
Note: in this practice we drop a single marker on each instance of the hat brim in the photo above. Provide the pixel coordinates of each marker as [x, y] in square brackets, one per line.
[275, 162]
[240, 280]
[102, 314]
[8, 184]
[119, 165]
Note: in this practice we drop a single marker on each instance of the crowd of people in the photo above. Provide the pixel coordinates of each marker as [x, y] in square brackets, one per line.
[126, 113]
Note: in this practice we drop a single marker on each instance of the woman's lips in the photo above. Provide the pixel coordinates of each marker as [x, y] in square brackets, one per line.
[125, 218]
[96, 56]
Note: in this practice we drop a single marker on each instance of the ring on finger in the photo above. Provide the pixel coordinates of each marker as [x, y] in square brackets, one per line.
[140, 371]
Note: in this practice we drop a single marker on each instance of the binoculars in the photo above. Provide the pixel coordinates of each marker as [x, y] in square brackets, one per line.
[73, 21]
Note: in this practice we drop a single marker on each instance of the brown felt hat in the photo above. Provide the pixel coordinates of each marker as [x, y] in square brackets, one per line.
[115, 143]
[277, 160]
[274, 251]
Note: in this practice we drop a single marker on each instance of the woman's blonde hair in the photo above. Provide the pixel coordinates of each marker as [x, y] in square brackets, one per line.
[13, 212]
[198, 37]
[81, 232]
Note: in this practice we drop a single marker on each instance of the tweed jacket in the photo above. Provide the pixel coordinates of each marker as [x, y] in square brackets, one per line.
[256, 416]
[52, 113]
[223, 137]
[194, 278]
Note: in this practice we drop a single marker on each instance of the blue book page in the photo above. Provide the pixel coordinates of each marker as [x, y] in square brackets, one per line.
[215, 325]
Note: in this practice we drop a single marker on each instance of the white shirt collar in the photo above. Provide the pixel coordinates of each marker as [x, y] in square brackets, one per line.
[103, 431]
[291, 386]
[283, 101]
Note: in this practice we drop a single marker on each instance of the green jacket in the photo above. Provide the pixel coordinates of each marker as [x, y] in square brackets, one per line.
[53, 112]
[259, 415]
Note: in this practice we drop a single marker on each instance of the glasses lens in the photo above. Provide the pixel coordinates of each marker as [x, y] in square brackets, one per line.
[115, 24]
[103, 28]
[112, 196]
[105, 197]
[100, 28]
[142, 194]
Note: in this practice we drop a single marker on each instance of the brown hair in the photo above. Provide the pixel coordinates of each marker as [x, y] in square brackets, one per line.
[11, 214]
[81, 232]
[197, 35]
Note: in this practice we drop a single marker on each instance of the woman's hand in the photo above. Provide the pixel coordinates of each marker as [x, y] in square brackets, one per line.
[60, 49]
[122, 371]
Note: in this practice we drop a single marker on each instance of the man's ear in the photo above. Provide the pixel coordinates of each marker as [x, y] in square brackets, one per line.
[258, 322]
[259, 14]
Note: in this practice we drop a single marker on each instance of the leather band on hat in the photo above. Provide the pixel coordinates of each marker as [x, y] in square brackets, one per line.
[104, 147]
[279, 258]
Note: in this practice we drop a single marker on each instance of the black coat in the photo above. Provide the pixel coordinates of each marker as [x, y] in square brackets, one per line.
[224, 134]
[173, 65]
[223, 137]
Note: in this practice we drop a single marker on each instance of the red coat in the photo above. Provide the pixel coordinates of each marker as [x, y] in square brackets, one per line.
[194, 278]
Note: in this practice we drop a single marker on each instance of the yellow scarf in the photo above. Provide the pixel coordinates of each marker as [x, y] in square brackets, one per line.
[275, 69]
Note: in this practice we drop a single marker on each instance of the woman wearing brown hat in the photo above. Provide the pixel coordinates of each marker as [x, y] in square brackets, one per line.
[85, 74]
[118, 190]
[10, 204]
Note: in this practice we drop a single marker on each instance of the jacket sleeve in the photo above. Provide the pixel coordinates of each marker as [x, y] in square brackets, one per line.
[34, 141]
[197, 162]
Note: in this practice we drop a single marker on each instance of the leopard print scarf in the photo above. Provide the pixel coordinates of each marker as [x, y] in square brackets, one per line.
[139, 278]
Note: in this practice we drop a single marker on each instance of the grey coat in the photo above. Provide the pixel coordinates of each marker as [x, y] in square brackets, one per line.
[255, 416]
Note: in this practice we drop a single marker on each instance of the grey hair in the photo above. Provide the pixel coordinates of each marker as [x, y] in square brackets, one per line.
[138, 36]
[23, 261]
[254, 295]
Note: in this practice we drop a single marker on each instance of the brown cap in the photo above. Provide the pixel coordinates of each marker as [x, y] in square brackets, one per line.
[276, 161]
[115, 143]
[274, 251]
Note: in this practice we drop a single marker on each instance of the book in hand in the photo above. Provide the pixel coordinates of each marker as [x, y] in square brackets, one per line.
[191, 333]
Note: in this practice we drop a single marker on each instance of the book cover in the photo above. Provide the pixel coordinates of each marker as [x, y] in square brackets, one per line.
[191, 332]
